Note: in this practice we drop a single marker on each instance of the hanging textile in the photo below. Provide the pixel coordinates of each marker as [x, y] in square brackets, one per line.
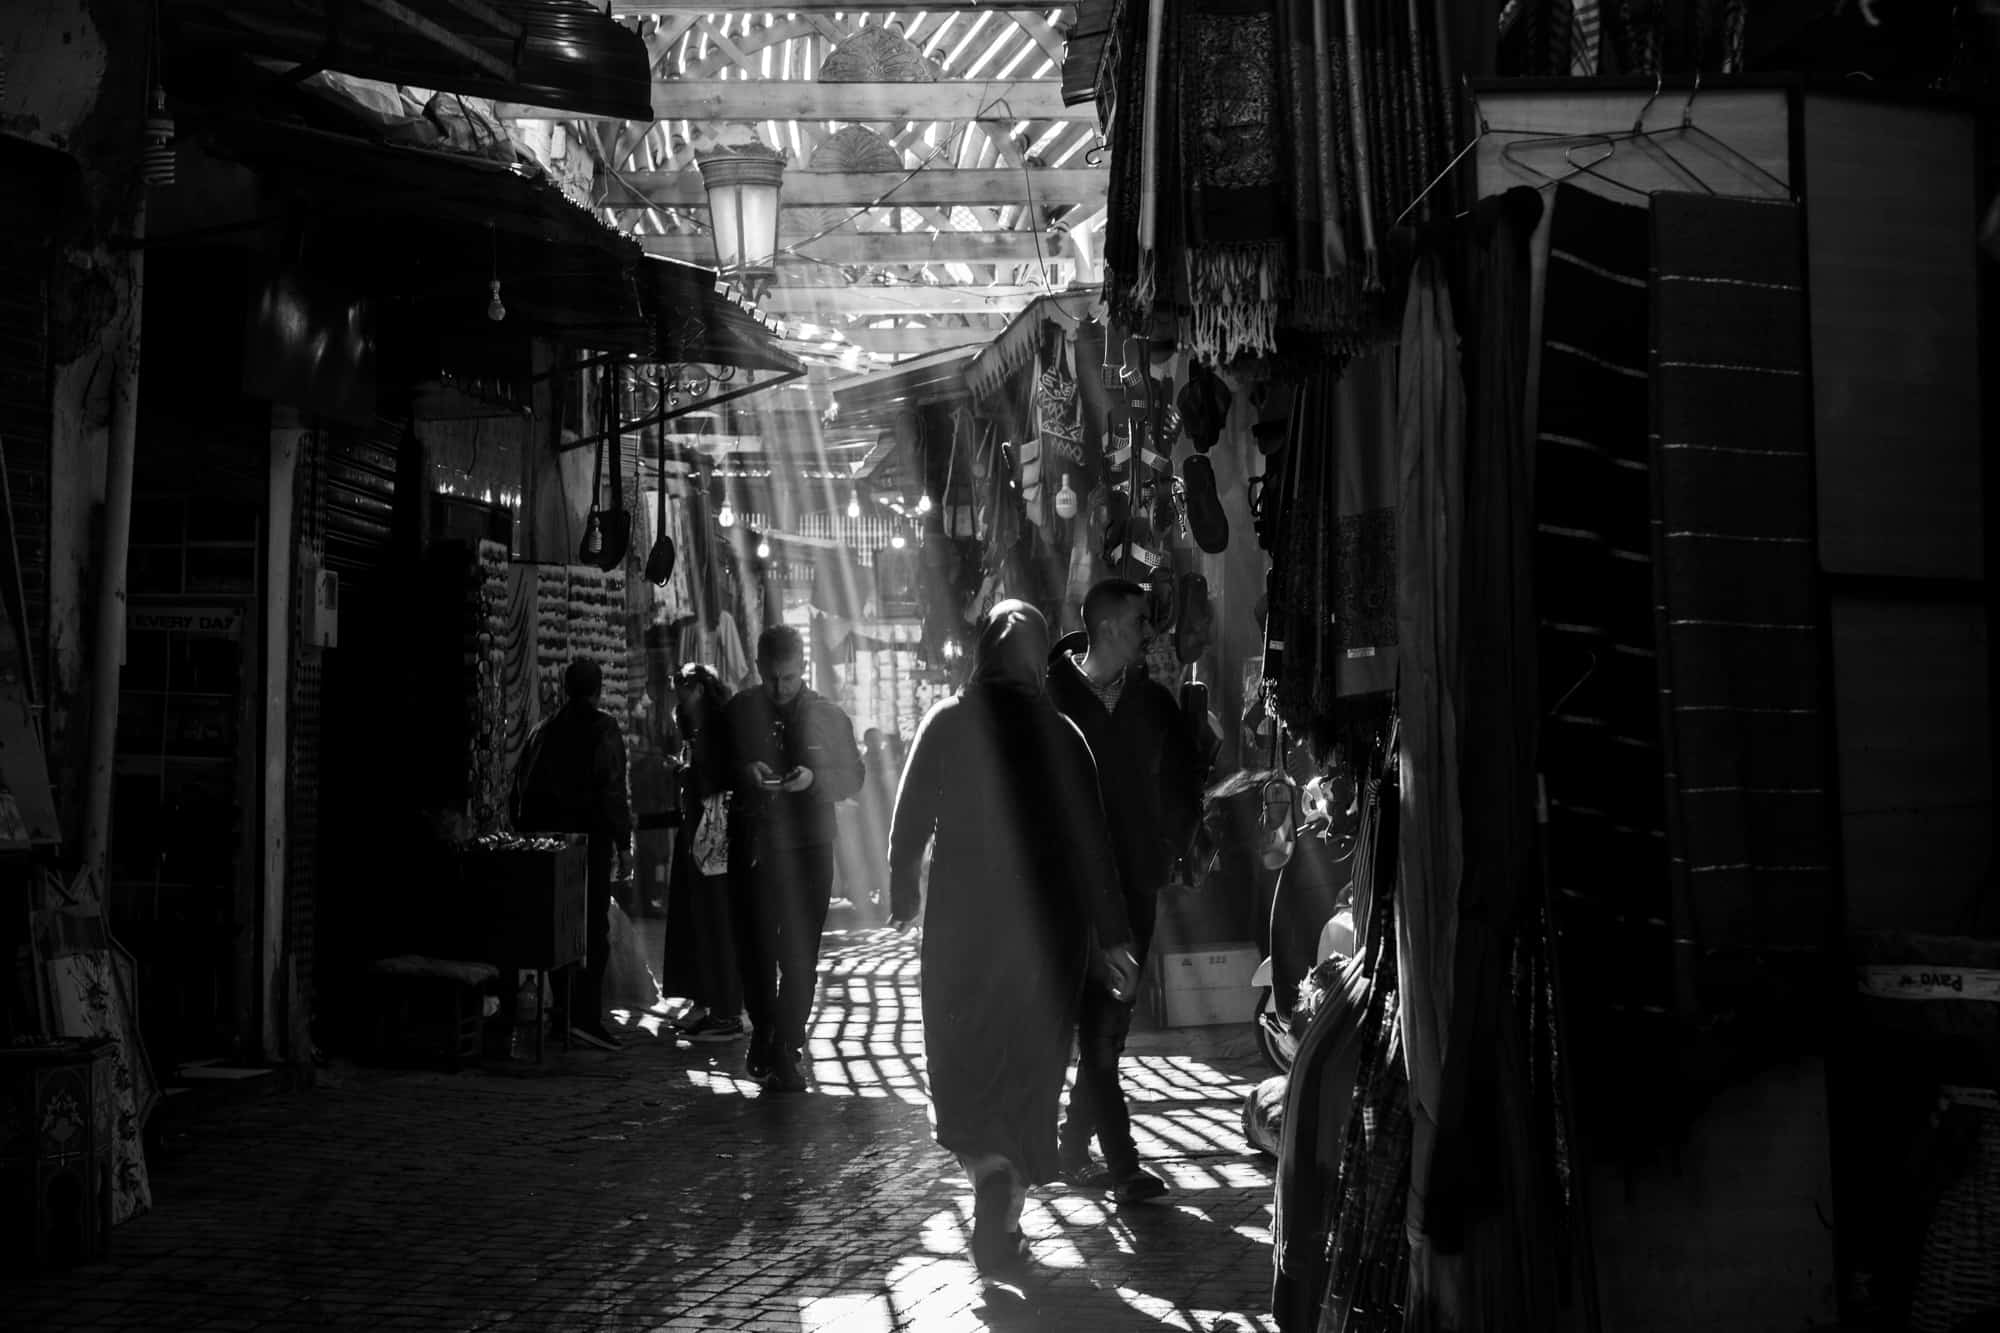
[1429, 503]
[675, 599]
[1600, 744]
[1368, 1254]
[1319, 1096]
[1261, 149]
[1750, 818]
[1499, 1041]
[1485, 1194]
[1359, 630]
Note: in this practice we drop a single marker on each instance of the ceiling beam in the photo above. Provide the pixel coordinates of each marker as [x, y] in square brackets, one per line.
[884, 248]
[864, 299]
[945, 187]
[640, 8]
[1006, 100]
[914, 342]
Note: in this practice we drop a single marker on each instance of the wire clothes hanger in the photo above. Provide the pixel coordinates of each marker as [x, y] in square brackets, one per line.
[1748, 166]
[1479, 136]
[1657, 145]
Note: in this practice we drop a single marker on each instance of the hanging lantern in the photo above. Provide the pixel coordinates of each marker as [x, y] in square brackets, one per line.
[157, 164]
[495, 311]
[742, 182]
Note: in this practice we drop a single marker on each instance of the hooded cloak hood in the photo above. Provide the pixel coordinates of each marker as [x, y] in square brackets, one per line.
[1013, 649]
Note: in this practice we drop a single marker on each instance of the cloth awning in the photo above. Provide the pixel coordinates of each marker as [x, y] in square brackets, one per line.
[878, 399]
[564, 55]
[438, 226]
[1014, 346]
[697, 319]
[431, 229]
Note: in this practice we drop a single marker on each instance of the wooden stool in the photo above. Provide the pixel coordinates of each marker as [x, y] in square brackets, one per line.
[438, 997]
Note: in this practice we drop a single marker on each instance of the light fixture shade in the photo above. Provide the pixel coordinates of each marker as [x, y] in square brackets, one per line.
[742, 185]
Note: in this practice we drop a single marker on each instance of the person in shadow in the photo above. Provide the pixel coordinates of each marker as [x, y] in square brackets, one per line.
[1150, 775]
[1023, 907]
[700, 948]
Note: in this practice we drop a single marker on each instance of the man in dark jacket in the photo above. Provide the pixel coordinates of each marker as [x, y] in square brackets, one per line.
[791, 756]
[1150, 774]
[573, 781]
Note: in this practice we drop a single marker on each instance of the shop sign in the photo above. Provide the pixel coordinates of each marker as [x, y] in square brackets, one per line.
[1930, 981]
[222, 620]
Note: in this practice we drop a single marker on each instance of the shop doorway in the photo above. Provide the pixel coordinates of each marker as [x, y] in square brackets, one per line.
[183, 892]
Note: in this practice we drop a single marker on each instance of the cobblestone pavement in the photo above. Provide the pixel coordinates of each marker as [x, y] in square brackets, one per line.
[654, 1188]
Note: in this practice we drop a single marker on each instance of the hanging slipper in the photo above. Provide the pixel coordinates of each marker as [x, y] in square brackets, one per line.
[1161, 605]
[1207, 520]
[1166, 513]
[1194, 619]
[1263, 520]
[1117, 525]
[1204, 406]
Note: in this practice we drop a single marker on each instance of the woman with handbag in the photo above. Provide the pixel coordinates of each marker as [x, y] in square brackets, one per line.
[700, 960]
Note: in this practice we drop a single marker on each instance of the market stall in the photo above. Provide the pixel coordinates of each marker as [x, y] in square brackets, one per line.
[1564, 442]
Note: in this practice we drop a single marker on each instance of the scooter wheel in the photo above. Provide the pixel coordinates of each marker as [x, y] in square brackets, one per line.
[1274, 1043]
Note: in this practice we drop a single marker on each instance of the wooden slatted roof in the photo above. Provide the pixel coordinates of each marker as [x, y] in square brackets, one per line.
[946, 230]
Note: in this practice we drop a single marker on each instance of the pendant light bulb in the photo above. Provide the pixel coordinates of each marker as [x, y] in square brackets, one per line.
[854, 504]
[763, 550]
[157, 162]
[727, 516]
[494, 310]
[897, 541]
[924, 503]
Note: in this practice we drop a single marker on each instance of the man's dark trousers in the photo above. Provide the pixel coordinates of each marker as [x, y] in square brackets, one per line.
[1097, 1102]
[588, 999]
[779, 921]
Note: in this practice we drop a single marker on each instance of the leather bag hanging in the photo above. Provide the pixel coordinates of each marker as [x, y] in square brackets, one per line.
[660, 560]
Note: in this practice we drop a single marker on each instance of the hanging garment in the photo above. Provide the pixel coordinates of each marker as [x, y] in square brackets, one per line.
[1368, 1254]
[1358, 633]
[1318, 1100]
[677, 596]
[1600, 747]
[1750, 818]
[1429, 503]
[1500, 1034]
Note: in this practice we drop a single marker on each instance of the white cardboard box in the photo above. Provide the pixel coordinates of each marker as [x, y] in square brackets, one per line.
[1210, 1005]
[1208, 987]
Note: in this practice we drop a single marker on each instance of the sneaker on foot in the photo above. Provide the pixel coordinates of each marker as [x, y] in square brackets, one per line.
[714, 1028]
[692, 1016]
[1138, 1187]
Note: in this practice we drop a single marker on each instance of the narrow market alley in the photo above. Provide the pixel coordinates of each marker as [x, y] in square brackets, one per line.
[655, 1188]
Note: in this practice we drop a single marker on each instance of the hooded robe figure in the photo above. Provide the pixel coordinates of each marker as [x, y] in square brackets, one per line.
[1022, 889]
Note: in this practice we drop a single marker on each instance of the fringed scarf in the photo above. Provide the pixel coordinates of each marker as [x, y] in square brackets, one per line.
[1260, 150]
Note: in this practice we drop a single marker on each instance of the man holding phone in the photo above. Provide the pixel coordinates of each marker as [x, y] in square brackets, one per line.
[792, 756]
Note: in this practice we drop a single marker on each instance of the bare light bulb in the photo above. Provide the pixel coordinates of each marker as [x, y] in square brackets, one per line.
[897, 541]
[494, 310]
[854, 506]
[727, 518]
[924, 504]
[763, 550]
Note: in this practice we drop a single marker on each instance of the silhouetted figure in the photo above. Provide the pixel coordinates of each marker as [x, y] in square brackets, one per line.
[791, 756]
[1002, 790]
